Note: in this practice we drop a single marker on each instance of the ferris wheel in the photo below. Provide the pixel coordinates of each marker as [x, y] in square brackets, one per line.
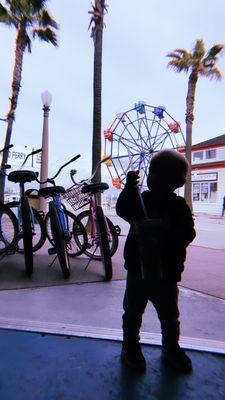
[134, 136]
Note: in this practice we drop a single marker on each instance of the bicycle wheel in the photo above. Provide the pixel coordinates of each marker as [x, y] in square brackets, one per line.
[39, 234]
[76, 230]
[8, 229]
[59, 241]
[92, 251]
[27, 235]
[104, 243]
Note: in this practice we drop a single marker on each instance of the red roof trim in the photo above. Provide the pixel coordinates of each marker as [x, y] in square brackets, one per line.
[207, 147]
[219, 165]
[182, 150]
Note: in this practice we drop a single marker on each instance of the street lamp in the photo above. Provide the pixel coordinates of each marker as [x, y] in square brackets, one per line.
[46, 98]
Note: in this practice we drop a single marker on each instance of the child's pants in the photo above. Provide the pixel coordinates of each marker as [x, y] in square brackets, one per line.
[164, 297]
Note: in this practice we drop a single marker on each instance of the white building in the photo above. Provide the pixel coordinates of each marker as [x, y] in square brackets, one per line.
[208, 175]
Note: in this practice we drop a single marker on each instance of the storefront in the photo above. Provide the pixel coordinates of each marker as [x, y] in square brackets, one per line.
[208, 175]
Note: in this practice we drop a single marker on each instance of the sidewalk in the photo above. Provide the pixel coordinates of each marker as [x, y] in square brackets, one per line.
[96, 308]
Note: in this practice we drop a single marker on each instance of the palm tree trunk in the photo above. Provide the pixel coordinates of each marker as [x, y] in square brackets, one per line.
[97, 106]
[192, 82]
[17, 75]
[97, 95]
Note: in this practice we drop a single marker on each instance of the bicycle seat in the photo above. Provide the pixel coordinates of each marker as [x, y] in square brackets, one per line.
[51, 191]
[22, 176]
[95, 187]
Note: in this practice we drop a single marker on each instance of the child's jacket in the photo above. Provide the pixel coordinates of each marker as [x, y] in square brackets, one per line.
[174, 236]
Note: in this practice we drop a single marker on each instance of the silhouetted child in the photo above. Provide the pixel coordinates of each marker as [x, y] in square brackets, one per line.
[167, 172]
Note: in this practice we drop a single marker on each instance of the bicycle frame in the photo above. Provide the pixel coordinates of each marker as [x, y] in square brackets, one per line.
[62, 217]
[93, 202]
[94, 230]
[22, 193]
[57, 200]
[94, 227]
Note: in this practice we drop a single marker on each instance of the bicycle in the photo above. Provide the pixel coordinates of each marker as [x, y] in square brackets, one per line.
[61, 225]
[27, 217]
[39, 232]
[38, 226]
[102, 234]
[8, 221]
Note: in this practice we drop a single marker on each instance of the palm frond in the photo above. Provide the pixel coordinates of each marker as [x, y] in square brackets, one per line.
[47, 35]
[208, 63]
[6, 17]
[181, 60]
[214, 51]
[45, 20]
[173, 54]
[97, 14]
[179, 65]
[17, 7]
[214, 73]
[37, 5]
[183, 53]
[199, 49]
[204, 69]
[27, 42]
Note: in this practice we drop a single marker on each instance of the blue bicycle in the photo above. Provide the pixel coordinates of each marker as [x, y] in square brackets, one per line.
[65, 227]
[25, 213]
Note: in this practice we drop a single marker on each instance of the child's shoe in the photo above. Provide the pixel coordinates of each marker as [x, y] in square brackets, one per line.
[132, 356]
[177, 359]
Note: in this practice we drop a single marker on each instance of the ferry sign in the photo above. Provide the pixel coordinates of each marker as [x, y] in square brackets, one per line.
[18, 153]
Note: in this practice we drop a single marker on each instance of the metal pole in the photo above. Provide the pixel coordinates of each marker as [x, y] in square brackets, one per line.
[44, 157]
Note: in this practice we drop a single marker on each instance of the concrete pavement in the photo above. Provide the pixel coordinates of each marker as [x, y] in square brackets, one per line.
[204, 269]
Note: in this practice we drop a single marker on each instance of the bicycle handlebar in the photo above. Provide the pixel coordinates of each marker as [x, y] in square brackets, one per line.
[36, 151]
[6, 166]
[98, 165]
[50, 180]
[30, 154]
[6, 148]
[74, 171]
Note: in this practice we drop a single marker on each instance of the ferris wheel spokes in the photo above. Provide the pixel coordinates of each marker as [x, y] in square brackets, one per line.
[135, 135]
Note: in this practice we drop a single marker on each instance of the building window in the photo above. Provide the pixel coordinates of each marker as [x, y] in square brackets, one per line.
[213, 192]
[210, 154]
[198, 156]
[196, 191]
[204, 192]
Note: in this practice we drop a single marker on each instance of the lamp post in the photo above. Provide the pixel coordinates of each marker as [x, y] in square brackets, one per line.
[46, 98]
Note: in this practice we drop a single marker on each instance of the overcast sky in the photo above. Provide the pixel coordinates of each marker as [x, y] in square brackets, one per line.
[137, 37]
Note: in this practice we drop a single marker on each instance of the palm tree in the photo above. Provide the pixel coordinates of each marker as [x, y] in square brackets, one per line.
[31, 20]
[198, 63]
[97, 25]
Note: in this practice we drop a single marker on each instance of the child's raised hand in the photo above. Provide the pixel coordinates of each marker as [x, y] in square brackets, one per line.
[132, 178]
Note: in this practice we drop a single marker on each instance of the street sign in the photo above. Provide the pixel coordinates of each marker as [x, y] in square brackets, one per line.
[17, 155]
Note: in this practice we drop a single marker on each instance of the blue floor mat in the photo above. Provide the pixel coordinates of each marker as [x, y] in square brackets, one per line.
[35, 366]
